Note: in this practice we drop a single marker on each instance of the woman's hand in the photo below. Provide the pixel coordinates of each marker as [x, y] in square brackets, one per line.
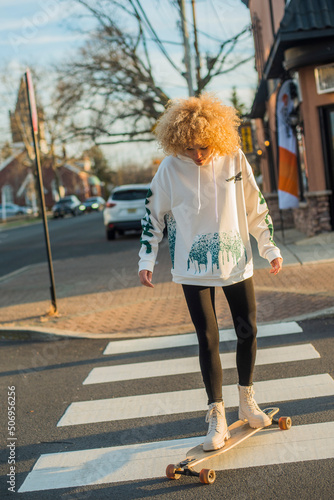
[276, 265]
[145, 277]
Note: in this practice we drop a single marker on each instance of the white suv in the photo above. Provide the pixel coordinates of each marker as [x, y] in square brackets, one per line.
[124, 209]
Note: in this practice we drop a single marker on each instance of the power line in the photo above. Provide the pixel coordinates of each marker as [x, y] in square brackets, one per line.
[217, 16]
[207, 35]
[156, 38]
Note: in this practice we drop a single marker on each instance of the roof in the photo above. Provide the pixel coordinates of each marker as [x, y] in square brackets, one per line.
[304, 22]
[11, 158]
[259, 103]
[72, 168]
[305, 15]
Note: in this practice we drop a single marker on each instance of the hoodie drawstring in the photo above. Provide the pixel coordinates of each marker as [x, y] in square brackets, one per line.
[199, 189]
[214, 181]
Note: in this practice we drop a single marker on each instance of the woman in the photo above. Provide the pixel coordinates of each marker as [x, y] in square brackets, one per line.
[206, 192]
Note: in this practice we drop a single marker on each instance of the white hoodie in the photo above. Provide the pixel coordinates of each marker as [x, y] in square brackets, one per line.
[210, 211]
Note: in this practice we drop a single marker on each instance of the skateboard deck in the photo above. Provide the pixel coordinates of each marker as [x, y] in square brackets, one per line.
[239, 431]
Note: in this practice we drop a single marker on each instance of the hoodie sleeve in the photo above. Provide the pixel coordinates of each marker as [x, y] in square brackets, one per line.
[259, 221]
[157, 206]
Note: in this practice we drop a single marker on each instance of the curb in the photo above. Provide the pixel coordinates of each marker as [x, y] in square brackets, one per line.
[21, 270]
[27, 333]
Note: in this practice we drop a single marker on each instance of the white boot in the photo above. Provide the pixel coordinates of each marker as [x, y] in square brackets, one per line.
[249, 410]
[218, 431]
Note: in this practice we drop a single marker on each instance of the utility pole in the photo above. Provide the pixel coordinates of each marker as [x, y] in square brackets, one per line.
[187, 56]
[198, 58]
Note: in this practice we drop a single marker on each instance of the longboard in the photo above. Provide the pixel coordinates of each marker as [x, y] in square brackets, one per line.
[239, 431]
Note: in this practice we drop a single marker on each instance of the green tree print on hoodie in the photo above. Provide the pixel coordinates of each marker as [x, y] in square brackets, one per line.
[267, 219]
[171, 229]
[147, 224]
[214, 243]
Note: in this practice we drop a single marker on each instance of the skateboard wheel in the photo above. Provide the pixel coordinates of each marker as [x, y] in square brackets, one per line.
[207, 476]
[284, 423]
[171, 472]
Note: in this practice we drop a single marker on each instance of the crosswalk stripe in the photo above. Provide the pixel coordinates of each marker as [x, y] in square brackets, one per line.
[180, 366]
[148, 460]
[153, 343]
[168, 403]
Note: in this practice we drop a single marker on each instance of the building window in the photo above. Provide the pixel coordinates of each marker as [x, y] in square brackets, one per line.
[324, 77]
[7, 192]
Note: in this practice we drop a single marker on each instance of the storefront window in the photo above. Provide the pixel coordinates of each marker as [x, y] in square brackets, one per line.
[326, 114]
[324, 77]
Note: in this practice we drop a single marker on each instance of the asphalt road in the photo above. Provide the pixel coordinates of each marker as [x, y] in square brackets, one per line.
[48, 374]
[80, 236]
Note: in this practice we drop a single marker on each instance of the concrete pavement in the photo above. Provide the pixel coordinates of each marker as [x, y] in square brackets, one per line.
[116, 306]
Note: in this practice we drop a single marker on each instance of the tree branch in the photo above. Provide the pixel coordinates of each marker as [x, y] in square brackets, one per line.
[109, 89]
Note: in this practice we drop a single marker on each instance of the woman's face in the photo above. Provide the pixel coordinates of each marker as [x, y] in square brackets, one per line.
[200, 153]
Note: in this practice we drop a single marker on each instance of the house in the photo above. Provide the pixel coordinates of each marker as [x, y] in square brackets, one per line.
[294, 44]
[60, 178]
[61, 175]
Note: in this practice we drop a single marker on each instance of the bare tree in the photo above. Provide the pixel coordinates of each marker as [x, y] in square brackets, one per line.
[236, 102]
[134, 174]
[50, 122]
[109, 89]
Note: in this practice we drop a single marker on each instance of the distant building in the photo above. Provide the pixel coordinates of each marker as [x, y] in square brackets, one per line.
[61, 175]
[295, 40]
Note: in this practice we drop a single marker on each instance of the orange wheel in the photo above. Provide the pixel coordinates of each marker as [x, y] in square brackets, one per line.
[207, 476]
[284, 423]
[170, 472]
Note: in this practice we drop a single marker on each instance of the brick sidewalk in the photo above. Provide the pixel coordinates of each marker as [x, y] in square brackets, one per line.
[123, 309]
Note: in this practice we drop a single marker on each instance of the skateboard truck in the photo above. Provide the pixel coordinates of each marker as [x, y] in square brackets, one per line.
[206, 476]
[239, 431]
[284, 423]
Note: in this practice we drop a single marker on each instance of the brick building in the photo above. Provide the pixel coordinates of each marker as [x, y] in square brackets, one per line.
[294, 39]
[70, 177]
[61, 175]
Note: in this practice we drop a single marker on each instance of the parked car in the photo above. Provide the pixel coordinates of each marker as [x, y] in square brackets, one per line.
[96, 203]
[69, 205]
[124, 209]
[11, 209]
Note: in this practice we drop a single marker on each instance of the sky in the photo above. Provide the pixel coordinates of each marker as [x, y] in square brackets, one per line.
[44, 33]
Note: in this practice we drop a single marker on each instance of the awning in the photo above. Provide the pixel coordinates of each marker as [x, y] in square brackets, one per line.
[259, 104]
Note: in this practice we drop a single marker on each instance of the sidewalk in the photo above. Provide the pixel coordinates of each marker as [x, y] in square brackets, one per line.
[117, 307]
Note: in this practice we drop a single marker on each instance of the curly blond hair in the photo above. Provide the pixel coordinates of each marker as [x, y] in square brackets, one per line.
[198, 120]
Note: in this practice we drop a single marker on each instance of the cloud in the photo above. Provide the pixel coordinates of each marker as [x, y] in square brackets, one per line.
[11, 3]
[41, 14]
[48, 39]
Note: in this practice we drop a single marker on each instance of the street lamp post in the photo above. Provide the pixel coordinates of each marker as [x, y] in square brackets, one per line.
[34, 130]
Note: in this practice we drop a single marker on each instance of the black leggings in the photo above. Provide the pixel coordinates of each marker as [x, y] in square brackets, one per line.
[201, 305]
